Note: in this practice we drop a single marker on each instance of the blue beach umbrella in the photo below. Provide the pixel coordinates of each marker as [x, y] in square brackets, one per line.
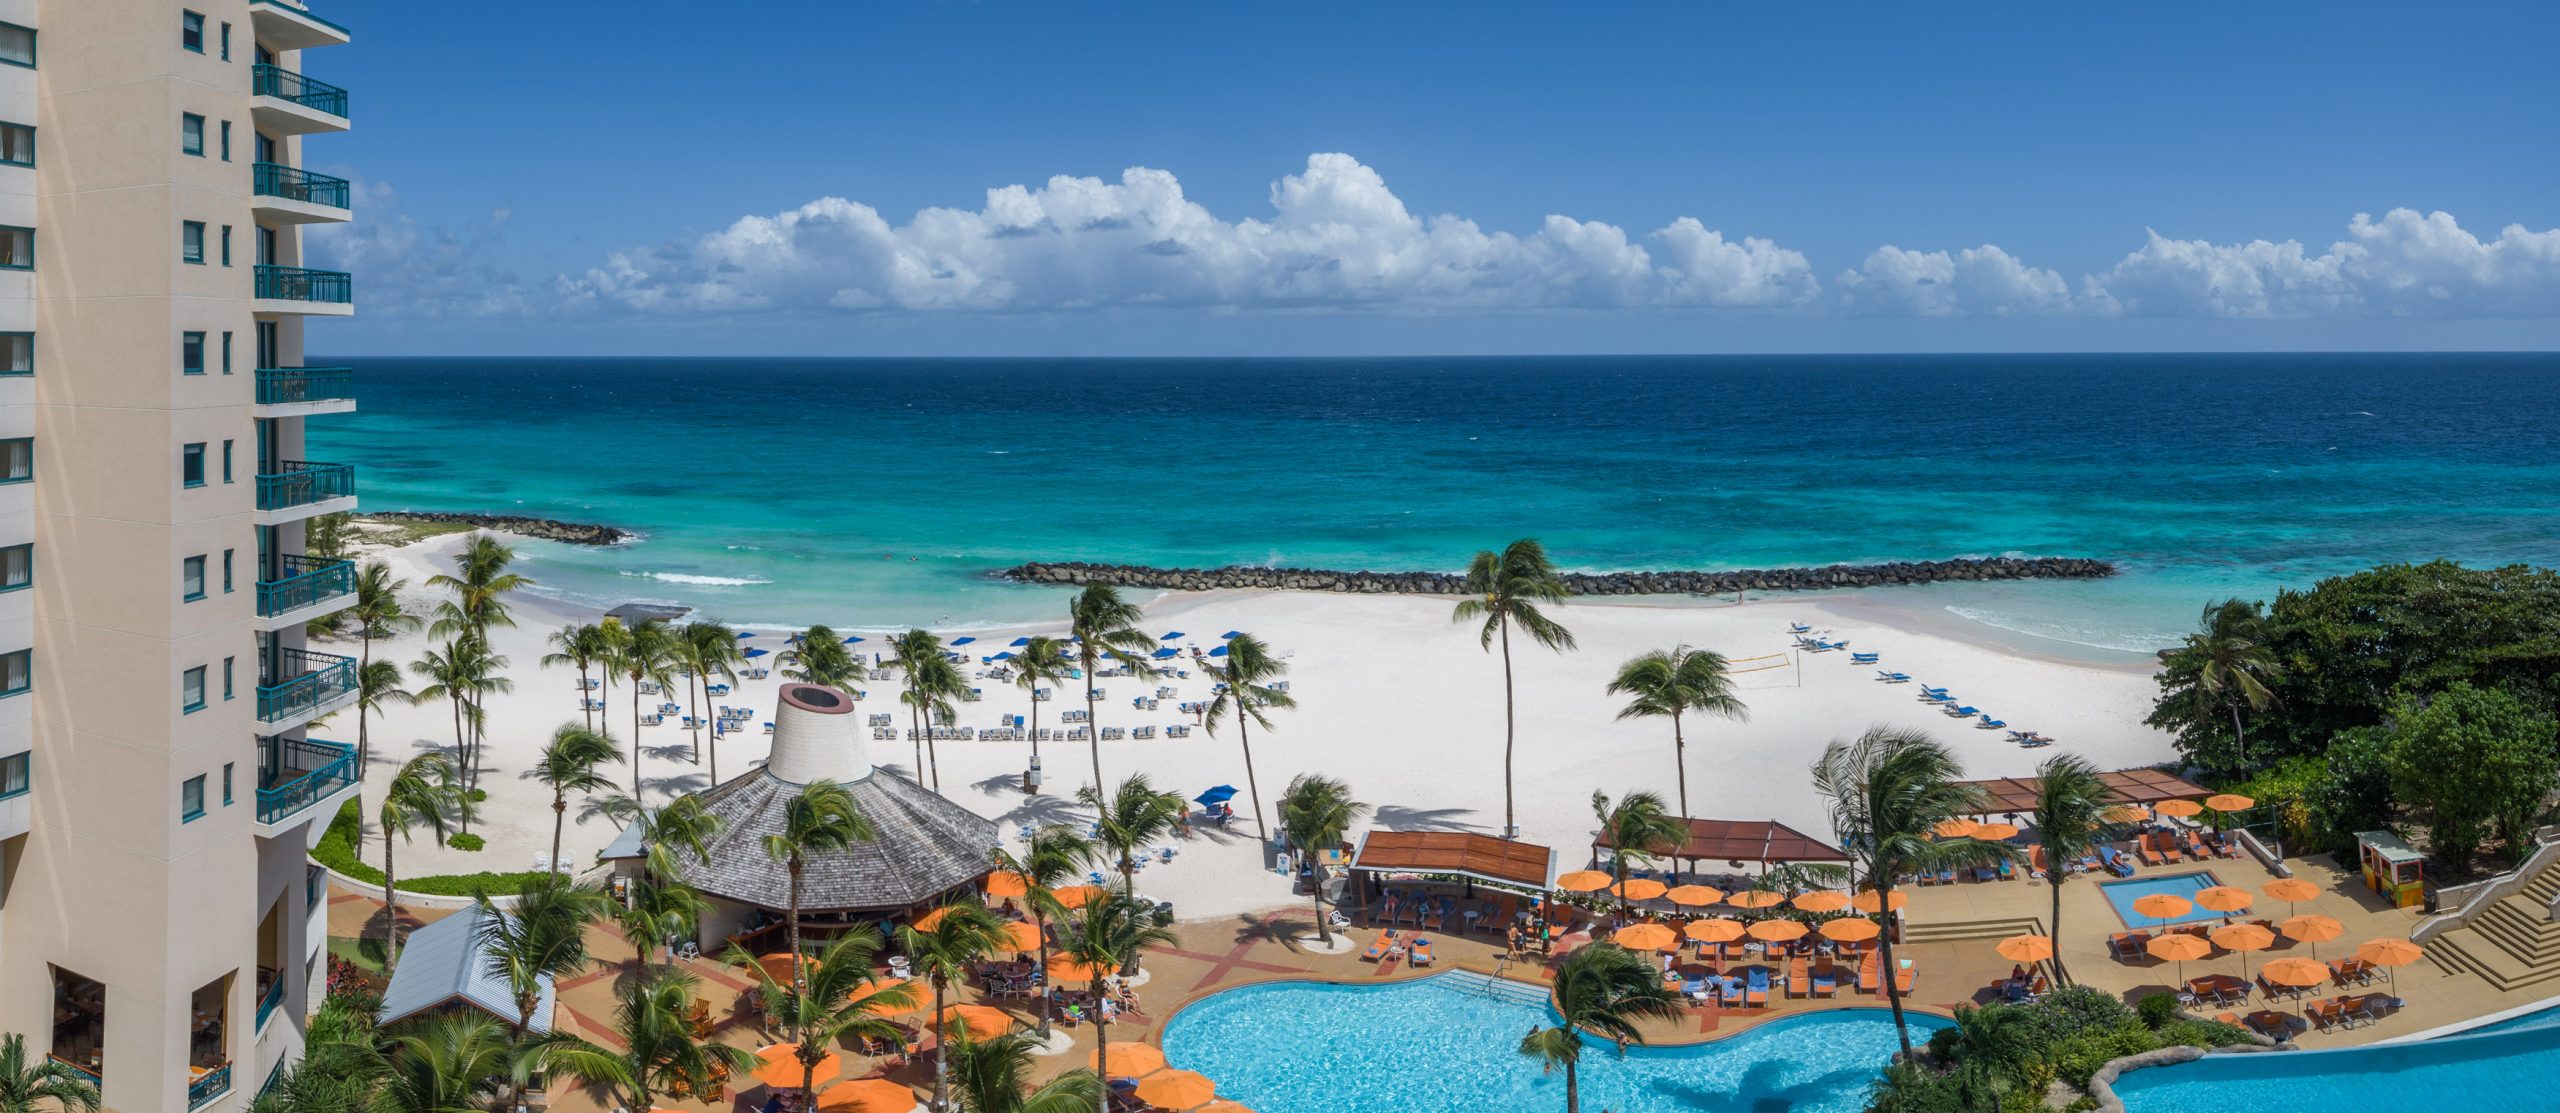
[1170, 635]
[1230, 635]
[746, 633]
[854, 640]
[1018, 643]
[1221, 651]
[1167, 651]
[754, 653]
[1005, 656]
[1218, 795]
[962, 641]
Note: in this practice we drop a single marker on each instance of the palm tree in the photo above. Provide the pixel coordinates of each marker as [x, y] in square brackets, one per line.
[377, 614]
[464, 674]
[963, 934]
[1115, 927]
[821, 818]
[1603, 989]
[377, 687]
[1048, 862]
[1135, 815]
[583, 644]
[844, 999]
[2071, 807]
[1639, 825]
[821, 658]
[568, 764]
[1043, 661]
[702, 650]
[661, 908]
[1988, 1049]
[1670, 683]
[447, 1063]
[645, 652]
[1889, 789]
[932, 683]
[660, 1050]
[1508, 586]
[2232, 665]
[1316, 812]
[541, 938]
[994, 1076]
[424, 792]
[1248, 675]
[23, 1085]
[1104, 627]
[679, 824]
[479, 583]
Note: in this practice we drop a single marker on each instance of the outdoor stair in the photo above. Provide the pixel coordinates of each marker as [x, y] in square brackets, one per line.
[1963, 930]
[2513, 942]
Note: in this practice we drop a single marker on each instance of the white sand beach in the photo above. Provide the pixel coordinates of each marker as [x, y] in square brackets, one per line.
[1393, 698]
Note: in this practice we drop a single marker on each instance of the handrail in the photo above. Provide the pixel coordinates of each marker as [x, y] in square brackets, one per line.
[293, 183]
[321, 767]
[301, 483]
[208, 1086]
[285, 386]
[85, 1073]
[305, 284]
[317, 678]
[283, 84]
[306, 582]
[268, 1001]
[2489, 892]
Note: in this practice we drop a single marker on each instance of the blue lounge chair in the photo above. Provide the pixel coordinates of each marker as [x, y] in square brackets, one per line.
[2115, 863]
[1757, 989]
[1962, 710]
[1989, 723]
[1798, 628]
[1893, 677]
[1865, 658]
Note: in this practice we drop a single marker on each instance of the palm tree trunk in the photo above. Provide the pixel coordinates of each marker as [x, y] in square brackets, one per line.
[1680, 762]
[1884, 956]
[635, 738]
[462, 753]
[915, 729]
[364, 736]
[1035, 729]
[1244, 738]
[364, 660]
[799, 985]
[693, 690]
[1041, 920]
[1101, 1037]
[2239, 738]
[2053, 881]
[1510, 822]
[1324, 934]
[933, 755]
[585, 715]
[1092, 730]
[1572, 1087]
[559, 816]
[390, 904]
[941, 1051]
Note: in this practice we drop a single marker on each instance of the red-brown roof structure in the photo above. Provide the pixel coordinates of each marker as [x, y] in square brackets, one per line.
[2124, 786]
[1482, 857]
[1747, 840]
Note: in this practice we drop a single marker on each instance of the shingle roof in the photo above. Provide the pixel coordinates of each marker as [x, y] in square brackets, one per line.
[926, 847]
[1501, 861]
[443, 963]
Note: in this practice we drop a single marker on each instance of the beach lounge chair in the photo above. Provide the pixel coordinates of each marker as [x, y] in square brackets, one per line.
[1934, 695]
[1695, 989]
[1826, 980]
[1420, 955]
[1799, 982]
[1756, 990]
[1902, 978]
[1798, 628]
[2149, 853]
[1947, 875]
[1989, 723]
[1893, 677]
[2125, 946]
[2115, 863]
[1865, 658]
[2008, 870]
[2035, 741]
[1961, 710]
[1870, 973]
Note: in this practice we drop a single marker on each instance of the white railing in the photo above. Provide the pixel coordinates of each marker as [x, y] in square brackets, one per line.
[2478, 896]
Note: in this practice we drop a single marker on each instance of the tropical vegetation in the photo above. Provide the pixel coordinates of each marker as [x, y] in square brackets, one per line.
[1608, 991]
[1505, 590]
[1101, 627]
[1248, 696]
[1317, 812]
[1673, 684]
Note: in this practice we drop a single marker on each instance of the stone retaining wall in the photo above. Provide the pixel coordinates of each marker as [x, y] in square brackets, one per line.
[1077, 573]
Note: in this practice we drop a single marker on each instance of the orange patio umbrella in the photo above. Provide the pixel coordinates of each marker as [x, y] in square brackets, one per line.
[2314, 929]
[933, 919]
[2243, 938]
[875, 989]
[1640, 888]
[2025, 948]
[775, 1067]
[1756, 898]
[1065, 969]
[1776, 931]
[2290, 890]
[2163, 906]
[1822, 900]
[778, 965]
[867, 1095]
[1715, 930]
[2180, 948]
[1645, 937]
[1955, 828]
[2178, 808]
[1129, 1059]
[980, 1021]
[1022, 935]
[1694, 896]
[1850, 929]
[2127, 813]
[2295, 971]
[1584, 881]
[2224, 898]
[2229, 802]
[1996, 831]
[1006, 884]
[2390, 954]
[1222, 1105]
[1176, 1089]
[1868, 902]
[1077, 896]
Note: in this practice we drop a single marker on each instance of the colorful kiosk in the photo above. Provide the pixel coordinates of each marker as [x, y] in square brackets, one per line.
[2392, 868]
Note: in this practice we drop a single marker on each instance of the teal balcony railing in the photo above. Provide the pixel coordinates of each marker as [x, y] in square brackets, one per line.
[296, 483]
[305, 284]
[284, 386]
[85, 1074]
[315, 886]
[273, 997]
[293, 183]
[307, 680]
[208, 1086]
[305, 582]
[294, 773]
[284, 84]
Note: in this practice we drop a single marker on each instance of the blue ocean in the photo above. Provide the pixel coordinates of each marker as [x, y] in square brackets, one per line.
[871, 493]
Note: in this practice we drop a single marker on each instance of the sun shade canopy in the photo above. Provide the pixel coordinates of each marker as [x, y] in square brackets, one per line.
[1482, 857]
[1746, 840]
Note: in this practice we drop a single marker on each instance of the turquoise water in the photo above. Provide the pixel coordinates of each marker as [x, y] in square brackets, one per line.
[2546, 1018]
[873, 493]
[1443, 1044]
[2514, 1070]
[2122, 894]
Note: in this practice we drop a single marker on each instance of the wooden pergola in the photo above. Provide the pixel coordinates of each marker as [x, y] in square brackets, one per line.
[1765, 841]
[1505, 863]
[2016, 795]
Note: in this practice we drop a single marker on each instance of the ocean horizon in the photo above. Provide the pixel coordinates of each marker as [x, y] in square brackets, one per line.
[878, 492]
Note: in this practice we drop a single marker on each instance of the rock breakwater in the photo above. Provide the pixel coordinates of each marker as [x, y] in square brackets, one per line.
[547, 529]
[1828, 577]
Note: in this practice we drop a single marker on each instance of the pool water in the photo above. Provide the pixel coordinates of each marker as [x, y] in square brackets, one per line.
[1450, 1043]
[2546, 1018]
[2509, 1070]
[2122, 894]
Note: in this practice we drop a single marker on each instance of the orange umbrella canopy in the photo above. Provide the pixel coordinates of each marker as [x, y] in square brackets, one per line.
[867, 1095]
[1694, 896]
[1130, 1059]
[1641, 888]
[1077, 896]
[2163, 906]
[778, 965]
[1866, 901]
[1718, 930]
[1222, 1105]
[1822, 900]
[2230, 802]
[2390, 952]
[2025, 948]
[1955, 828]
[1022, 935]
[1755, 898]
[1176, 1089]
[1065, 969]
[1850, 930]
[2313, 928]
[1004, 884]
[932, 920]
[916, 1000]
[2178, 947]
[2127, 813]
[1583, 881]
[2224, 898]
[777, 1068]
[2178, 807]
[1646, 937]
[2295, 971]
[1776, 931]
[2290, 889]
[980, 1021]
[1996, 831]
[2243, 937]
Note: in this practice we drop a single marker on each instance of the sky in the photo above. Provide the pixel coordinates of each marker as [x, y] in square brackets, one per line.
[1000, 178]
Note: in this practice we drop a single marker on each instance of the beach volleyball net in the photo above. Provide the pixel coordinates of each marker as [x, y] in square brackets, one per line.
[1772, 670]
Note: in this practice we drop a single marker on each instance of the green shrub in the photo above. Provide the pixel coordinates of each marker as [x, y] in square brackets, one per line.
[2157, 1009]
[2080, 1056]
[337, 850]
[467, 842]
[2071, 1010]
[2201, 1033]
[1911, 1088]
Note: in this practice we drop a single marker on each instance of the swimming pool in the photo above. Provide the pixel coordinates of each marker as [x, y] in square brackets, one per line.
[2122, 894]
[2541, 1018]
[2508, 1070]
[1450, 1042]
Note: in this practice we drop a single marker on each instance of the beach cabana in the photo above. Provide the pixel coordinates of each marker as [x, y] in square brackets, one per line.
[1445, 857]
[444, 967]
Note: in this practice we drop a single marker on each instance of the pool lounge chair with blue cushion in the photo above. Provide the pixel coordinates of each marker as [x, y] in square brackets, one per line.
[1890, 677]
[1865, 658]
[2115, 863]
[1989, 723]
[1826, 980]
[1962, 710]
[1756, 991]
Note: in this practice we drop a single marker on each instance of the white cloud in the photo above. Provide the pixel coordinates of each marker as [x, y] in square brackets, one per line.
[1975, 282]
[405, 270]
[2404, 264]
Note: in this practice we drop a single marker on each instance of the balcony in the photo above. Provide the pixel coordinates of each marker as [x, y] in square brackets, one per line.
[292, 195]
[303, 290]
[283, 102]
[289, 25]
[306, 589]
[294, 774]
[273, 997]
[296, 489]
[209, 1085]
[310, 685]
[310, 390]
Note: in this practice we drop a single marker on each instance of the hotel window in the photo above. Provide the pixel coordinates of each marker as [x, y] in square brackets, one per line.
[226, 336]
[13, 775]
[227, 664]
[191, 31]
[191, 134]
[226, 783]
[191, 242]
[17, 671]
[191, 464]
[191, 578]
[226, 461]
[17, 459]
[17, 144]
[226, 40]
[226, 577]
[226, 141]
[18, 45]
[17, 249]
[17, 353]
[226, 248]
[191, 693]
[191, 794]
[17, 567]
[191, 353]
